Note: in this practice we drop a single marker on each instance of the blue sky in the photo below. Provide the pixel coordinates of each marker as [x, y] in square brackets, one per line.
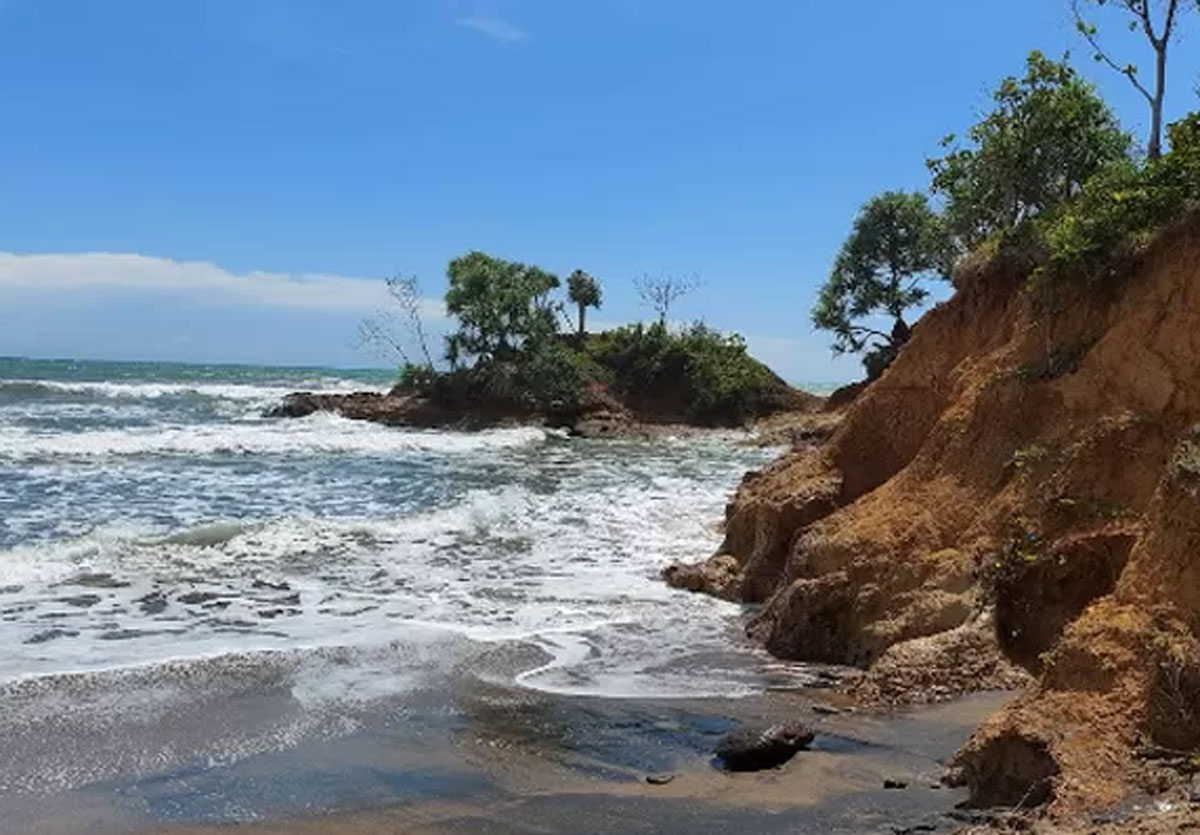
[229, 180]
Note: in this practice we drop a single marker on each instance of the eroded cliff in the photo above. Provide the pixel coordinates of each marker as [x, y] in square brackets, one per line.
[1015, 502]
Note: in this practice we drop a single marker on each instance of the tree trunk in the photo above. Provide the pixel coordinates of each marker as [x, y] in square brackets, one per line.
[582, 312]
[1154, 149]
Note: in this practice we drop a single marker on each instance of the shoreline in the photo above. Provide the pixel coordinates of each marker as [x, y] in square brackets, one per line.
[537, 762]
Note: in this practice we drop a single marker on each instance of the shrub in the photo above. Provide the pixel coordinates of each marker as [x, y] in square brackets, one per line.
[416, 378]
[1121, 208]
[711, 375]
[552, 377]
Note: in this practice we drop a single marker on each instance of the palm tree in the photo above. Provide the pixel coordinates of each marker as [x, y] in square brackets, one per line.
[585, 292]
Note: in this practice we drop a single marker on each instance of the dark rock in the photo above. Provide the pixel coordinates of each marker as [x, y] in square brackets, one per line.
[892, 783]
[757, 747]
[193, 598]
[50, 635]
[826, 710]
[82, 601]
[283, 585]
[915, 828]
[659, 779]
[153, 603]
[97, 581]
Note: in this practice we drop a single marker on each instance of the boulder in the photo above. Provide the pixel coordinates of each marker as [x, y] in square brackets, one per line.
[757, 747]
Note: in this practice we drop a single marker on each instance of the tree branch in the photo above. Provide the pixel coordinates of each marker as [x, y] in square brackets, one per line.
[1089, 35]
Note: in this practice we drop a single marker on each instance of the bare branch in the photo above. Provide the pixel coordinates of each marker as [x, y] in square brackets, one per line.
[386, 333]
[661, 292]
[1089, 33]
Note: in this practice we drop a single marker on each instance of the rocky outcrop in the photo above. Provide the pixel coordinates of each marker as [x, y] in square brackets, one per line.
[1013, 501]
[461, 402]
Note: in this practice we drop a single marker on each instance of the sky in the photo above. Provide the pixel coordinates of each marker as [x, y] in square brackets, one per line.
[230, 180]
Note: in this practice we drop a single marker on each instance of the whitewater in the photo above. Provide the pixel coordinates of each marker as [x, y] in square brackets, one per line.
[159, 536]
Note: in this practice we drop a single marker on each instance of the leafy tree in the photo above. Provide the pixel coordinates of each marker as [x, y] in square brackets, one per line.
[661, 292]
[502, 307]
[1159, 36]
[897, 242]
[584, 291]
[1048, 133]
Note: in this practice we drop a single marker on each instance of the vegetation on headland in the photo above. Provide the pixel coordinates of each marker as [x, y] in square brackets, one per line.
[1047, 177]
[507, 355]
[1013, 505]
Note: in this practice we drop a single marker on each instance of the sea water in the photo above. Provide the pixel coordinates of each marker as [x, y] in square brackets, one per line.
[161, 540]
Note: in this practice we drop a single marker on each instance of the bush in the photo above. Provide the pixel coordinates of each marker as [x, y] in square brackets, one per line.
[1121, 208]
[416, 378]
[709, 375]
[553, 377]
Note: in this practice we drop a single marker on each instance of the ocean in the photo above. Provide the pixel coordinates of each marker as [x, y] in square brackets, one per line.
[162, 542]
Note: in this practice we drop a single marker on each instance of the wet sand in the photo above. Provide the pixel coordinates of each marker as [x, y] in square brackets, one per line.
[481, 757]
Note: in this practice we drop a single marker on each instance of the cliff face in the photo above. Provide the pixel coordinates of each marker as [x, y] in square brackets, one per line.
[1016, 501]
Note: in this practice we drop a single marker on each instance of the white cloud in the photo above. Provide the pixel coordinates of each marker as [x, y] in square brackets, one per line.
[55, 273]
[495, 28]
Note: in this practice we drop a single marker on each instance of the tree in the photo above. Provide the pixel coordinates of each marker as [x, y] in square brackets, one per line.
[661, 292]
[1159, 36]
[1048, 133]
[896, 244]
[389, 333]
[503, 307]
[584, 291]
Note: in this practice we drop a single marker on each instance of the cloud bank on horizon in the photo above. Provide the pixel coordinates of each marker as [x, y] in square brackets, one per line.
[59, 273]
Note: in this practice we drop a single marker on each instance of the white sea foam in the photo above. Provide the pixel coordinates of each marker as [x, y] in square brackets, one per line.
[159, 390]
[319, 433]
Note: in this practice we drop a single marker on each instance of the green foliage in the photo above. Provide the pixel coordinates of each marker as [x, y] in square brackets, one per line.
[584, 291]
[501, 306]
[1121, 208]
[896, 243]
[416, 377]
[553, 377]
[1049, 133]
[711, 374]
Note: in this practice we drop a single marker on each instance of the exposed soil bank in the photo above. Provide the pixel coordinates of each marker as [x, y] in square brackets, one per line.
[1015, 502]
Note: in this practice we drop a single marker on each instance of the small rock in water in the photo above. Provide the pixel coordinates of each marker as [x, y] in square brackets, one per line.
[757, 747]
[825, 710]
[892, 783]
[659, 779]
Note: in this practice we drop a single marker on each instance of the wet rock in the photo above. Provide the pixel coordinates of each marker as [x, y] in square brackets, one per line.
[826, 710]
[50, 635]
[924, 826]
[659, 779]
[82, 601]
[893, 783]
[757, 747]
[152, 604]
[193, 598]
[97, 581]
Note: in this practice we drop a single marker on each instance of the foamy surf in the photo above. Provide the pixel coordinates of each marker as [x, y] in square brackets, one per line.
[166, 551]
[316, 434]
